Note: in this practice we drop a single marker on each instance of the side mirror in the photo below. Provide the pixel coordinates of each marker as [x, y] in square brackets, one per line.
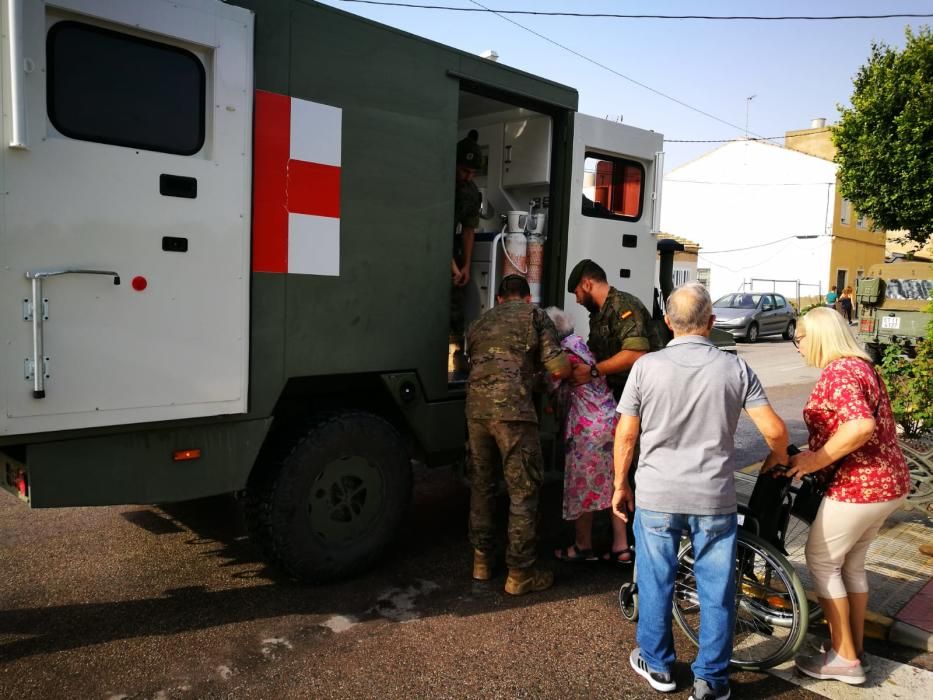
[767, 307]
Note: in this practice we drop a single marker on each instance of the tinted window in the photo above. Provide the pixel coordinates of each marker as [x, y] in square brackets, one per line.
[612, 187]
[108, 87]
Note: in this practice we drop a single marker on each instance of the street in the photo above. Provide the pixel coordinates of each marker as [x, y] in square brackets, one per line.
[175, 602]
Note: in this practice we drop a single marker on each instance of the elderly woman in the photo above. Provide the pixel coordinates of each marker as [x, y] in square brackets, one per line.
[854, 449]
[589, 428]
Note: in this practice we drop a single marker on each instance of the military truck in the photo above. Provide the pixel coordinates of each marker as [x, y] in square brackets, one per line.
[892, 300]
[225, 235]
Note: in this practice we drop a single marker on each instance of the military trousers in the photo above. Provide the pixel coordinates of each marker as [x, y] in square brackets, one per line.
[517, 446]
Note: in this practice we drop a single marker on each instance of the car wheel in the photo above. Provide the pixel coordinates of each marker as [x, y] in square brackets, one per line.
[752, 335]
[789, 333]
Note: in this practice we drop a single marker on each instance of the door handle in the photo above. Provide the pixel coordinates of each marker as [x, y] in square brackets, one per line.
[38, 349]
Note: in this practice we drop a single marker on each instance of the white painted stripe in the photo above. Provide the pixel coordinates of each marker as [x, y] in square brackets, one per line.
[313, 245]
[315, 132]
[887, 679]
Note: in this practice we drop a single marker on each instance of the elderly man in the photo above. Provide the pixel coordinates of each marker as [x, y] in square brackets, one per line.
[685, 401]
[509, 346]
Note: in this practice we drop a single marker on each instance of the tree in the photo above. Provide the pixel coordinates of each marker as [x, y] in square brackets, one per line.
[884, 142]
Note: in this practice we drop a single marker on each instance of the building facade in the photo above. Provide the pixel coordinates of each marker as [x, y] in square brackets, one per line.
[769, 218]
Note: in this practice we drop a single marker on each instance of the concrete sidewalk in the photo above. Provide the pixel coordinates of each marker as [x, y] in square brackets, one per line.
[900, 578]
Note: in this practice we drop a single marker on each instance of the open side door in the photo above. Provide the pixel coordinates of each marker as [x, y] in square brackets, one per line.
[124, 218]
[613, 206]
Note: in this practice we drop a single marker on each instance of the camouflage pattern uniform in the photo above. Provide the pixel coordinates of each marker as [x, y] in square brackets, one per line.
[467, 202]
[508, 346]
[623, 323]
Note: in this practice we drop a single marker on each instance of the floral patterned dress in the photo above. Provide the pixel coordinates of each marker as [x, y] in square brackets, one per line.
[589, 429]
[849, 389]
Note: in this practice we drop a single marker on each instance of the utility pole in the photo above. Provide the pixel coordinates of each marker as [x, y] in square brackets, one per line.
[748, 102]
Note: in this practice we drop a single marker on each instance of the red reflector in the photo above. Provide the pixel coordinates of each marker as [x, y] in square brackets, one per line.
[867, 325]
[184, 455]
[21, 486]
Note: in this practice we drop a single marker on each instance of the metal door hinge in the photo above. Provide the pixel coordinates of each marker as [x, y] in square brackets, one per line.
[27, 310]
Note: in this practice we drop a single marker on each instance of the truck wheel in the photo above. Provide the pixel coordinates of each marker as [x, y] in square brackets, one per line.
[875, 353]
[789, 333]
[329, 508]
[752, 335]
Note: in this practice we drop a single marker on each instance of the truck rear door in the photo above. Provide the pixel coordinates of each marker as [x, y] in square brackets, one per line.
[124, 238]
[613, 206]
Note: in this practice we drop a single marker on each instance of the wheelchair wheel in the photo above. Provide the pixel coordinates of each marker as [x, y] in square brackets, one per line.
[772, 612]
[628, 601]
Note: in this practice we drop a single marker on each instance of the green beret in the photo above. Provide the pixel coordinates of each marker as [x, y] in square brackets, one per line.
[469, 154]
[576, 274]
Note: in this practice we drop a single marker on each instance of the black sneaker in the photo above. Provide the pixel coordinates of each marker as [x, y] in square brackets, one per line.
[659, 681]
[702, 690]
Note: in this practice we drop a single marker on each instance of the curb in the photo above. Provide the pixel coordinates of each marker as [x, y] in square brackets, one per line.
[877, 626]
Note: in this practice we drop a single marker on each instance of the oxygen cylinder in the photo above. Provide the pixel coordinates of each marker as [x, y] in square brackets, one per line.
[535, 265]
[515, 260]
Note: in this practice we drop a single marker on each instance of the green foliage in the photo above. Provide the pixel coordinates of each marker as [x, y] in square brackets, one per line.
[884, 141]
[910, 384]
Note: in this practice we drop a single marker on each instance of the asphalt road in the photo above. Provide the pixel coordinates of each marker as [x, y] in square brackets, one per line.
[174, 602]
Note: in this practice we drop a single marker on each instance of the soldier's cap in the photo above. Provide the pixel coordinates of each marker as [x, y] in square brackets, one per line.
[469, 154]
[576, 274]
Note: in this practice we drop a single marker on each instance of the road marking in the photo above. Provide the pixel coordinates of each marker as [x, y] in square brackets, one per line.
[886, 680]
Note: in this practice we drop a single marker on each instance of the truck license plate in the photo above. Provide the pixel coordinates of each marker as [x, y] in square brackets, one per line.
[892, 322]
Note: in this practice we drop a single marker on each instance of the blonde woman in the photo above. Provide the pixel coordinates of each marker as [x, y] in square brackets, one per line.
[853, 447]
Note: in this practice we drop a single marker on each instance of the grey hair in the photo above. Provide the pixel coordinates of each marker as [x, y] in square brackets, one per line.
[689, 308]
[562, 321]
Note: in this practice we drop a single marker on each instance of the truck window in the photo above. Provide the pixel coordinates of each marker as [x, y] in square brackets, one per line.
[108, 87]
[612, 187]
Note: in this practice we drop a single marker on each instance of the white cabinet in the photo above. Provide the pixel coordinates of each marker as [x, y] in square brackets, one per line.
[526, 152]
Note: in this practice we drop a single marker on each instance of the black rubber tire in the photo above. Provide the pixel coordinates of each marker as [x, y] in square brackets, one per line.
[755, 606]
[789, 332]
[752, 335]
[628, 601]
[332, 504]
[875, 353]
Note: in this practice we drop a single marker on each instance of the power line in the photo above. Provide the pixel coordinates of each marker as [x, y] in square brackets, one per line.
[760, 138]
[606, 68]
[754, 247]
[749, 184]
[613, 15]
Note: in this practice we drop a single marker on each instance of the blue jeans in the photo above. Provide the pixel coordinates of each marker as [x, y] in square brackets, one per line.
[713, 536]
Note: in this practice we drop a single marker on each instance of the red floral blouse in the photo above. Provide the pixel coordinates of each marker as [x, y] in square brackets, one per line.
[849, 389]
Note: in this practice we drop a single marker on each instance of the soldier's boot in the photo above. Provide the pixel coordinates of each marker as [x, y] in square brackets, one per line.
[482, 566]
[522, 581]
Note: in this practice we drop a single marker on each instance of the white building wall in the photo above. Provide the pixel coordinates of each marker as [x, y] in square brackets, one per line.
[746, 203]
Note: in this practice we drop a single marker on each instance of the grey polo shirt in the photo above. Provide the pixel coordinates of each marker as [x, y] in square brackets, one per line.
[689, 396]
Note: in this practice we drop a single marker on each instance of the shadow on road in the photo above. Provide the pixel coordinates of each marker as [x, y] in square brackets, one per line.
[431, 561]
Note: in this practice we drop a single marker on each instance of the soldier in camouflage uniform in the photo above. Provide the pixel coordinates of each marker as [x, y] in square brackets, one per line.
[621, 331]
[508, 346]
[467, 201]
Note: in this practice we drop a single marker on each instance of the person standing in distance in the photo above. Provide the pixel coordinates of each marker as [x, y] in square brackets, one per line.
[508, 346]
[685, 402]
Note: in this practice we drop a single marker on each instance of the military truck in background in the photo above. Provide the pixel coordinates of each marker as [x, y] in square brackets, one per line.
[892, 304]
[226, 233]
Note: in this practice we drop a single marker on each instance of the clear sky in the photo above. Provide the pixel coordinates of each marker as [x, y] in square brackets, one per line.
[798, 70]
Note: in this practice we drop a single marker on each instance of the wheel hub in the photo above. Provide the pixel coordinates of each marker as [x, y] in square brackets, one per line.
[345, 499]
